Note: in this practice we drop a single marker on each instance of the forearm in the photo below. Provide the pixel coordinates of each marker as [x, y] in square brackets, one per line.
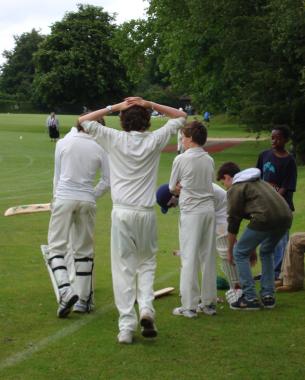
[96, 115]
[168, 111]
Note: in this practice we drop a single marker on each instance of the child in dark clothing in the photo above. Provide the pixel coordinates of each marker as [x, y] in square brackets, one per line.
[278, 168]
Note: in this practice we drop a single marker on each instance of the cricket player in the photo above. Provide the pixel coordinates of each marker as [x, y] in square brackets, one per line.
[192, 176]
[134, 155]
[77, 160]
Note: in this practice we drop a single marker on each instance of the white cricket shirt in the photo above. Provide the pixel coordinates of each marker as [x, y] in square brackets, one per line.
[133, 160]
[194, 169]
[77, 160]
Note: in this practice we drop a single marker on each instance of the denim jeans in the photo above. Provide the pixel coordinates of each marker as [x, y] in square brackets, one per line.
[279, 251]
[248, 242]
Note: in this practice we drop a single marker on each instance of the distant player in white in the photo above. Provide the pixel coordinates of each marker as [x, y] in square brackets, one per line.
[134, 155]
[193, 174]
[77, 160]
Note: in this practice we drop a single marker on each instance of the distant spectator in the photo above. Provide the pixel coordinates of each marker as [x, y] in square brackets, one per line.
[206, 116]
[52, 123]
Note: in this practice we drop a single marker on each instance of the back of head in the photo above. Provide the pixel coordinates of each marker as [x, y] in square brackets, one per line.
[135, 118]
[197, 131]
[228, 168]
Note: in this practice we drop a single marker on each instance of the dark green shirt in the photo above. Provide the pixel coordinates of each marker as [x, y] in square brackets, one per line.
[258, 202]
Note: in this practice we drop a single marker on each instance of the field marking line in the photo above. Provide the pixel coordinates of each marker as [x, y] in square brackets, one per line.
[62, 333]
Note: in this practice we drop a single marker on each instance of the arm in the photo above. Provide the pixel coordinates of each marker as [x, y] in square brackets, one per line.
[231, 242]
[175, 179]
[56, 168]
[167, 111]
[104, 182]
[96, 115]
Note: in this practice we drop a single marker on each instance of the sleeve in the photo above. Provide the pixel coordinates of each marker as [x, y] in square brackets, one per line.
[170, 128]
[235, 206]
[102, 135]
[57, 158]
[104, 183]
[290, 179]
[175, 174]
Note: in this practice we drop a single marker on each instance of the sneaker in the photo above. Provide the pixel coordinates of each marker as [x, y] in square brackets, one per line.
[185, 312]
[68, 299]
[206, 309]
[243, 304]
[148, 327]
[83, 307]
[125, 337]
[268, 302]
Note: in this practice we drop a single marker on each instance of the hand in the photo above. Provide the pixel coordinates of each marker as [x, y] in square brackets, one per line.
[178, 188]
[137, 101]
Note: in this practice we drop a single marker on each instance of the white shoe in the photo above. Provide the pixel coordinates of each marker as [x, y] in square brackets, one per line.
[125, 337]
[147, 323]
[83, 307]
[207, 309]
[67, 300]
[185, 312]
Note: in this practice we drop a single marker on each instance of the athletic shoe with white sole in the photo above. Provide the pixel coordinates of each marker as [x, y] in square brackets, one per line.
[67, 300]
[148, 327]
[207, 309]
[185, 312]
[243, 304]
[268, 302]
[83, 307]
[125, 337]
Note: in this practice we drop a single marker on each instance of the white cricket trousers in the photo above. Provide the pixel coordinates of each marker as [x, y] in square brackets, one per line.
[197, 244]
[80, 215]
[133, 261]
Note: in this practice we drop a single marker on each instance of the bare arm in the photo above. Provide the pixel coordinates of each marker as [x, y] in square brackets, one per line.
[167, 111]
[231, 242]
[96, 115]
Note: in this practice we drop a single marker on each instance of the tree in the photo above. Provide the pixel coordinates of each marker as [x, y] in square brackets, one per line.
[18, 71]
[77, 65]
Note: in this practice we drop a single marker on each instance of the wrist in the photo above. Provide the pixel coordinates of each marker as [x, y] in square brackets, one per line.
[109, 109]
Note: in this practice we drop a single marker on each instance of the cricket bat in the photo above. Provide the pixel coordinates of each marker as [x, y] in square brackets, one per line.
[163, 292]
[28, 209]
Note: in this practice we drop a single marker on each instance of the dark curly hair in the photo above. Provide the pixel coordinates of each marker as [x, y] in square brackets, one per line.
[135, 118]
[284, 129]
[230, 168]
[197, 131]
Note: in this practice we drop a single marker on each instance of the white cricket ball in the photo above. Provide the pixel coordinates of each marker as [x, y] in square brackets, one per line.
[20, 137]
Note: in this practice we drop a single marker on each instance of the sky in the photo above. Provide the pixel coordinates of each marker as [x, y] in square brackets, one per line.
[20, 16]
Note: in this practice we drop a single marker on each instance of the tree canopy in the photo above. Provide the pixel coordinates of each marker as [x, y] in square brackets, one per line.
[77, 64]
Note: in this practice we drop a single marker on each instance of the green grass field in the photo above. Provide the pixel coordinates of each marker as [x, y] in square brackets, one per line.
[35, 344]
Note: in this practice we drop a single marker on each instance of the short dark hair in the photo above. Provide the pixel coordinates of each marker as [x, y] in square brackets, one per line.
[135, 118]
[197, 131]
[284, 129]
[229, 168]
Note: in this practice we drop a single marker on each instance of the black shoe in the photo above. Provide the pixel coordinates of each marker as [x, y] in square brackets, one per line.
[257, 277]
[268, 302]
[243, 304]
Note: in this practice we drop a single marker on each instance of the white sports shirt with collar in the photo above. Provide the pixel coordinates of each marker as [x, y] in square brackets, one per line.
[77, 160]
[133, 159]
[194, 169]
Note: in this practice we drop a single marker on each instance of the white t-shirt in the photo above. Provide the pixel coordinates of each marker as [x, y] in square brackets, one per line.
[133, 160]
[77, 160]
[194, 169]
